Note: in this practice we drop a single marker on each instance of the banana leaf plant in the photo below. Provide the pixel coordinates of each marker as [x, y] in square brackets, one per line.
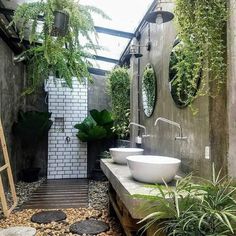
[97, 126]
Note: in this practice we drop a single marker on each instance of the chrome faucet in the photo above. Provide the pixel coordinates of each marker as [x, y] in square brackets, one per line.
[141, 126]
[174, 124]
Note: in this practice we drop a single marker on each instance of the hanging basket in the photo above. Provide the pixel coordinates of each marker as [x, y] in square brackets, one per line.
[61, 22]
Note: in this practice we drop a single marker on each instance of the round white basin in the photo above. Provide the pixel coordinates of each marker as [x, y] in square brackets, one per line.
[153, 169]
[119, 154]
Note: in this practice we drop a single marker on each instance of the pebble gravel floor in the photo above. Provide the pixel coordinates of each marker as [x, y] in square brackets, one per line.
[98, 209]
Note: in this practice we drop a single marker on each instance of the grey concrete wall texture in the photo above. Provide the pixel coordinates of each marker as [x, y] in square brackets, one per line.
[98, 97]
[231, 89]
[11, 87]
[198, 128]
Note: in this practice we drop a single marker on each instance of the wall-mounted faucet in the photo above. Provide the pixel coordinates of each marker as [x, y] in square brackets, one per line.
[138, 139]
[181, 137]
[141, 126]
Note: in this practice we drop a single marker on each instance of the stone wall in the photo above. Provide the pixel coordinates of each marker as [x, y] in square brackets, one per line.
[67, 157]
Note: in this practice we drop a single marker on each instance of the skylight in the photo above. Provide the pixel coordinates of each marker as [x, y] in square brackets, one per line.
[125, 16]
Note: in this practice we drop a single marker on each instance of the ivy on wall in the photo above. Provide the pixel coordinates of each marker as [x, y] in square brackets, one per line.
[202, 30]
[119, 90]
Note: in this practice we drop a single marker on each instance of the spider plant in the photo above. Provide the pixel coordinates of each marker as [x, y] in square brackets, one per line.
[205, 208]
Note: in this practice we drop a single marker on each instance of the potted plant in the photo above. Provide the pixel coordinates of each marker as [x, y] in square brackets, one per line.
[31, 128]
[96, 129]
[54, 29]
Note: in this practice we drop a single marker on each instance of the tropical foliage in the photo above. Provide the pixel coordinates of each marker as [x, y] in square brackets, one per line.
[97, 126]
[119, 90]
[31, 128]
[64, 56]
[207, 208]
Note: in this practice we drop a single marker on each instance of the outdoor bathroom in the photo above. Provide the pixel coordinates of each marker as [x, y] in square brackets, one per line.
[117, 117]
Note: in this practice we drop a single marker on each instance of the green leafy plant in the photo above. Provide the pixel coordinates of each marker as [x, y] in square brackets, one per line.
[119, 90]
[65, 56]
[149, 89]
[31, 128]
[206, 208]
[96, 126]
[183, 91]
[202, 30]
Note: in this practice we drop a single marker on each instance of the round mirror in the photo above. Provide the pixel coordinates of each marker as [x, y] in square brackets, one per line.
[149, 90]
[183, 89]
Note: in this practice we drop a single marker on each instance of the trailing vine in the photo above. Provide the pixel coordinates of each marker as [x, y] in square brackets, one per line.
[119, 90]
[64, 56]
[202, 31]
[149, 89]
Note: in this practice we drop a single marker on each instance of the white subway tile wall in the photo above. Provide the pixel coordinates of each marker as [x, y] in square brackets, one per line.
[66, 158]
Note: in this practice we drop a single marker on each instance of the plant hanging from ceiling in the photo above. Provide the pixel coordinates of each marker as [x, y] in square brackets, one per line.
[56, 30]
[202, 31]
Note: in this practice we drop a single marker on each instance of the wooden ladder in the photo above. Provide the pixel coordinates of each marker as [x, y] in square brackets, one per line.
[7, 166]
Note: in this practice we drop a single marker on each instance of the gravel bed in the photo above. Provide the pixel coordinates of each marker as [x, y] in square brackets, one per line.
[98, 194]
[22, 218]
[98, 209]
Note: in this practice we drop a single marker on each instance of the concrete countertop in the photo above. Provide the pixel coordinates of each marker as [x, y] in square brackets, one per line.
[125, 186]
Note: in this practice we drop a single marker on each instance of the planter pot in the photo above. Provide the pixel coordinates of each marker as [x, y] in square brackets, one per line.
[30, 174]
[60, 26]
[95, 148]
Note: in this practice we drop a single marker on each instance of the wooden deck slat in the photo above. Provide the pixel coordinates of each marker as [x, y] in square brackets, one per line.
[59, 194]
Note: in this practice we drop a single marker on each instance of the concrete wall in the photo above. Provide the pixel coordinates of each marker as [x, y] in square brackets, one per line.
[11, 87]
[207, 128]
[97, 94]
[231, 89]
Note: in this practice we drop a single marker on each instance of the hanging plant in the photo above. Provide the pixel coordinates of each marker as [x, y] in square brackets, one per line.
[56, 46]
[119, 90]
[202, 31]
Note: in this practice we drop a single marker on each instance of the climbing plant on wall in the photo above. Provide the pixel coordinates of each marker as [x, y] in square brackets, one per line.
[54, 50]
[202, 31]
[119, 90]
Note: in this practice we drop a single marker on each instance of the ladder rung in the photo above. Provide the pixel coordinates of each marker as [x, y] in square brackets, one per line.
[4, 167]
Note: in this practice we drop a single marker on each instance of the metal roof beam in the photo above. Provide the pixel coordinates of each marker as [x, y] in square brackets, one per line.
[106, 59]
[113, 32]
[96, 71]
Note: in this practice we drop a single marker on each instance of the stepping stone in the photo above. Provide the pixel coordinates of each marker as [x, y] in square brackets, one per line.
[18, 231]
[93, 227]
[46, 217]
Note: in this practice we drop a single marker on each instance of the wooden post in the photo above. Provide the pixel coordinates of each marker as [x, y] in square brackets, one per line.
[7, 167]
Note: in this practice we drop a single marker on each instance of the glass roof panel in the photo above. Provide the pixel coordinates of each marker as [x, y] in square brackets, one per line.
[125, 16]
[112, 46]
[101, 64]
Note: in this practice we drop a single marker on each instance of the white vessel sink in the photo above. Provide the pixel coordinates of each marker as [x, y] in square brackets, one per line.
[153, 169]
[119, 154]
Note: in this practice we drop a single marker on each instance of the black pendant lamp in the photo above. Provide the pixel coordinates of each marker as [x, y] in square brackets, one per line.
[159, 16]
